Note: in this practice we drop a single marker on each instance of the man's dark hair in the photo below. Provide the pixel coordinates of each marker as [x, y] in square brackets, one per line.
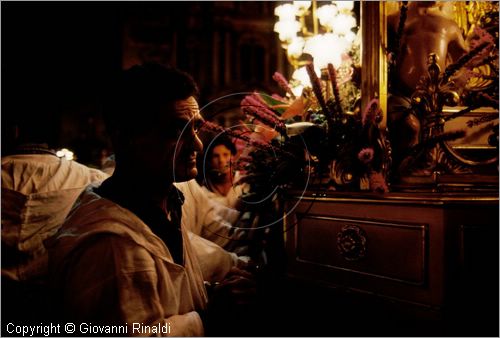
[139, 94]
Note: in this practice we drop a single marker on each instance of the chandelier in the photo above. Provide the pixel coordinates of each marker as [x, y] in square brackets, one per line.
[323, 33]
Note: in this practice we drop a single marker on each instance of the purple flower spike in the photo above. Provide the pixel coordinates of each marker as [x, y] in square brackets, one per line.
[283, 83]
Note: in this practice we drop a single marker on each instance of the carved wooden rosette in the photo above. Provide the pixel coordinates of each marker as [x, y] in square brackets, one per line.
[351, 242]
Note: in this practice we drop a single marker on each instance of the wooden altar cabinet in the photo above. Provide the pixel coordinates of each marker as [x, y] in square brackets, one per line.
[432, 251]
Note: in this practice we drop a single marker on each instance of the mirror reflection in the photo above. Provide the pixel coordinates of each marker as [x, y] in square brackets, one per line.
[443, 85]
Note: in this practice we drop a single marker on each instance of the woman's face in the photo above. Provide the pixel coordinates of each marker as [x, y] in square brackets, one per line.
[221, 159]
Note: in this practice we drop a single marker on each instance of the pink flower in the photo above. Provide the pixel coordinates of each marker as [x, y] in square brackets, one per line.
[365, 155]
[377, 182]
[252, 105]
[482, 36]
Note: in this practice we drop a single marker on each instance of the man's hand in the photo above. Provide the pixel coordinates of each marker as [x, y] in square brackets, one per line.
[236, 289]
[230, 301]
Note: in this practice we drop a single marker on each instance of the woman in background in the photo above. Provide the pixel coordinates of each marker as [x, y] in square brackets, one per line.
[220, 178]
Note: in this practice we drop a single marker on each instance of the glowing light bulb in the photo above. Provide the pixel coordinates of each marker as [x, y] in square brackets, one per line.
[326, 14]
[325, 49]
[287, 30]
[343, 23]
[302, 77]
[296, 46]
[344, 5]
[286, 12]
[350, 37]
[67, 154]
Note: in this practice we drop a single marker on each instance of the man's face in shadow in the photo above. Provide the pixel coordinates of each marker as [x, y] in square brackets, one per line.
[168, 153]
[188, 145]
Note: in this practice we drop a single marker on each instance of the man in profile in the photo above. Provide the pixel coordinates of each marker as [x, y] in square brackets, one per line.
[122, 256]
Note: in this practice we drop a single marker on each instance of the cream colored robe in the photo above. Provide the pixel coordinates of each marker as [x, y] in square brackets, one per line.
[209, 226]
[38, 191]
[233, 195]
[108, 266]
[204, 217]
[211, 220]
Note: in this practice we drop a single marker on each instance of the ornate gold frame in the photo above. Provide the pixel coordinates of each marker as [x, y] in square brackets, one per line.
[374, 54]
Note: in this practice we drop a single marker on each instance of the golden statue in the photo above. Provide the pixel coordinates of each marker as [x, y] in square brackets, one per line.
[428, 28]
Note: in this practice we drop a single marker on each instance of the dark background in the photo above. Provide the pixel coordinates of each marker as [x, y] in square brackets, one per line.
[57, 58]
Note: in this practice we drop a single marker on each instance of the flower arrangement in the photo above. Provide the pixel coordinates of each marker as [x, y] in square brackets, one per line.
[285, 139]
